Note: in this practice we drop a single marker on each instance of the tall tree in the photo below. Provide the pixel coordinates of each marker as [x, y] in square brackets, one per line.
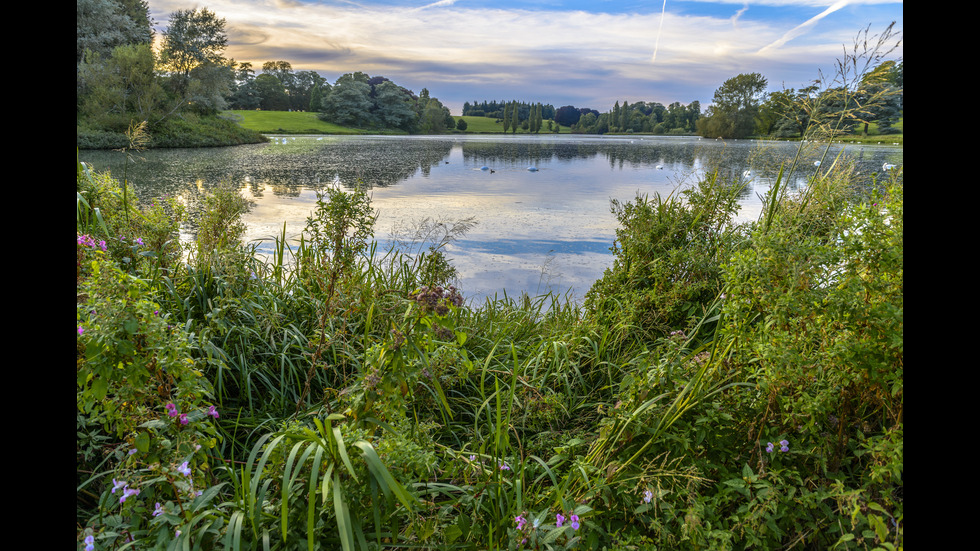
[102, 25]
[194, 37]
[349, 102]
[282, 70]
[244, 94]
[881, 97]
[271, 92]
[736, 104]
[435, 118]
[393, 106]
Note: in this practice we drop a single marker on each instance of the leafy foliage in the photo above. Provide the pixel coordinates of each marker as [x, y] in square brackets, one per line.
[725, 386]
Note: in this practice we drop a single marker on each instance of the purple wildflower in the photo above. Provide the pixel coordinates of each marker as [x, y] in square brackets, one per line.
[213, 412]
[559, 519]
[171, 410]
[647, 496]
[127, 492]
[158, 511]
[183, 419]
[184, 469]
[575, 523]
[783, 446]
[118, 484]
[521, 521]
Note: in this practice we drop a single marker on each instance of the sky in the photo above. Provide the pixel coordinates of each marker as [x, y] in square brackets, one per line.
[586, 53]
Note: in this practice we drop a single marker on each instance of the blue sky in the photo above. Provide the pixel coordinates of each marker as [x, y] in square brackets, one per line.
[586, 53]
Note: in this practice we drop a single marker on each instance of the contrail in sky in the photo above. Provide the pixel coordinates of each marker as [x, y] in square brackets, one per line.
[657, 45]
[799, 29]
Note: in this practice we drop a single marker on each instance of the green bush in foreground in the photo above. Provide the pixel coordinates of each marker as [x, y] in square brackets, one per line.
[724, 387]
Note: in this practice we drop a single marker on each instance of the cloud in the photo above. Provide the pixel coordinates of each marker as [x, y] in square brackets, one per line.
[462, 51]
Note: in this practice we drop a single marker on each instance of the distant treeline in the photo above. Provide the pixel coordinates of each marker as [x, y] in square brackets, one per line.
[495, 109]
[648, 117]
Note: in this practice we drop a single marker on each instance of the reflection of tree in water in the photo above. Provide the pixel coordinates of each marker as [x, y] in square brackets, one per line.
[284, 169]
[498, 153]
[360, 163]
[620, 154]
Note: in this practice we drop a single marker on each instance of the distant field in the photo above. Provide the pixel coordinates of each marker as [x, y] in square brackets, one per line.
[296, 122]
[288, 122]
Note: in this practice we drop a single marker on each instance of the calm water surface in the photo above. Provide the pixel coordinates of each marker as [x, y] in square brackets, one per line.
[539, 230]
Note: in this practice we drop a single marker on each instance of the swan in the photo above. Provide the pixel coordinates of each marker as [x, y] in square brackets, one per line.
[887, 166]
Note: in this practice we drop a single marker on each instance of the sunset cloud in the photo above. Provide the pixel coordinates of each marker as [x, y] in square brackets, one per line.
[583, 53]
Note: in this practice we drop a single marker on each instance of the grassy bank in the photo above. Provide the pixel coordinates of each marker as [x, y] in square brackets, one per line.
[188, 130]
[723, 386]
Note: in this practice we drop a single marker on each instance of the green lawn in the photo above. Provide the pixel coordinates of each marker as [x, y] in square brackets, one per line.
[289, 122]
[297, 122]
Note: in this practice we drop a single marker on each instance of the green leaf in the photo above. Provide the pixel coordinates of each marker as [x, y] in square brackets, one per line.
[452, 533]
[377, 467]
[205, 497]
[143, 441]
[99, 388]
[342, 450]
[343, 515]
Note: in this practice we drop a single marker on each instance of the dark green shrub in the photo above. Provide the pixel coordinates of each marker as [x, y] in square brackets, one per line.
[669, 252]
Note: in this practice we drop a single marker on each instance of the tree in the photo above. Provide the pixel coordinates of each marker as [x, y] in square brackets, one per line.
[244, 94]
[271, 93]
[567, 115]
[282, 70]
[301, 87]
[316, 96]
[881, 97]
[193, 38]
[435, 118]
[208, 86]
[461, 124]
[124, 86]
[736, 105]
[103, 25]
[393, 106]
[349, 102]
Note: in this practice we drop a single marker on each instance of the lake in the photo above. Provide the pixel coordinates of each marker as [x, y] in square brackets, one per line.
[540, 205]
